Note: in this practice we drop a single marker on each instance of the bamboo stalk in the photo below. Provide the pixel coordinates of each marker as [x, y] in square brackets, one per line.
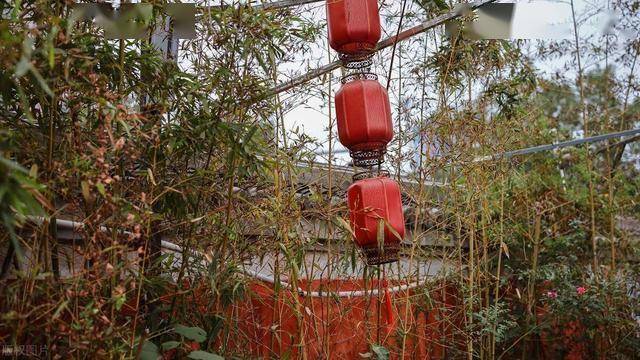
[585, 127]
[326, 332]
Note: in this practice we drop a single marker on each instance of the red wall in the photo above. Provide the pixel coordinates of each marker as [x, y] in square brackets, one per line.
[338, 328]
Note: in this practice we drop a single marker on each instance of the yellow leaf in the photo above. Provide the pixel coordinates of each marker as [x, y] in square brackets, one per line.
[150, 173]
[381, 233]
[33, 172]
[345, 225]
[505, 249]
[85, 191]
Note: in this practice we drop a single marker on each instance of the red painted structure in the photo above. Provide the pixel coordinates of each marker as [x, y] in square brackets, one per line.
[271, 325]
[267, 326]
[364, 116]
[373, 203]
[353, 25]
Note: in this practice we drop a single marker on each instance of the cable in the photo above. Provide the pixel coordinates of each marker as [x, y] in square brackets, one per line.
[540, 148]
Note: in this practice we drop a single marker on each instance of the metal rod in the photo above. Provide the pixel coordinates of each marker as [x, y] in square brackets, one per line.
[559, 145]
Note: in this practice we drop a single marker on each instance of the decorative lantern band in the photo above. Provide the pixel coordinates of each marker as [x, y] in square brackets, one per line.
[368, 158]
[356, 62]
[370, 173]
[375, 256]
[358, 76]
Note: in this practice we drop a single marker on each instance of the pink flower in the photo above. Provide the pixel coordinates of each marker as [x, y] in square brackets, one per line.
[581, 290]
[552, 294]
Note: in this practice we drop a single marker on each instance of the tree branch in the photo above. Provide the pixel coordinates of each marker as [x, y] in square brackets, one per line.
[283, 4]
[620, 145]
[427, 25]
[271, 5]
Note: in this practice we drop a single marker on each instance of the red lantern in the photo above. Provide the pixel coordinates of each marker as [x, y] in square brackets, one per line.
[376, 209]
[353, 25]
[364, 120]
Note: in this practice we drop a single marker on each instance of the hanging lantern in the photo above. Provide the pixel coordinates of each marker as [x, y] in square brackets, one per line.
[375, 209]
[353, 26]
[364, 120]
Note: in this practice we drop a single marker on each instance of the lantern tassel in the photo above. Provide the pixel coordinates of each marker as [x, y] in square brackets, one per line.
[388, 305]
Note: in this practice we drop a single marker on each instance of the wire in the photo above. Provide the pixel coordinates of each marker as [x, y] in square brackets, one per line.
[540, 148]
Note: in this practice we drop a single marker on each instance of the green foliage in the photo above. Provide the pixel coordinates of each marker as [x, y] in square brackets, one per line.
[495, 320]
[194, 333]
[149, 351]
[131, 143]
[19, 194]
[203, 355]
[141, 149]
[380, 351]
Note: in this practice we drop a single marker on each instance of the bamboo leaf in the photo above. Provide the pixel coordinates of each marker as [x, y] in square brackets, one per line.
[13, 166]
[203, 355]
[151, 178]
[381, 352]
[43, 83]
[345, 225]
[149, 351]
[101, 189]
[505, 249]
[86, 193]
[168, 345]
[51, 48]
[59, 310]
[392, 230]
[380, 233]
[22, 67]
[193, 333]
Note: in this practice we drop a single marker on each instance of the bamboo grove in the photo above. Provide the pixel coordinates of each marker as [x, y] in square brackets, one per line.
[539, 252]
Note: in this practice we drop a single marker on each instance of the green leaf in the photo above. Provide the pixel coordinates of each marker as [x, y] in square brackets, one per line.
[101, 189]
[22, 67]
[441, 4]
[193, 333]
[120, 300]
[7, 221]
[60, 309]
[43, 83]
[24, 103]
[203, 355]
[345, 225]
[170, 345]
[12, 165]
[149, 351]
[51, 48]
[15, 12]
[381, 352]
